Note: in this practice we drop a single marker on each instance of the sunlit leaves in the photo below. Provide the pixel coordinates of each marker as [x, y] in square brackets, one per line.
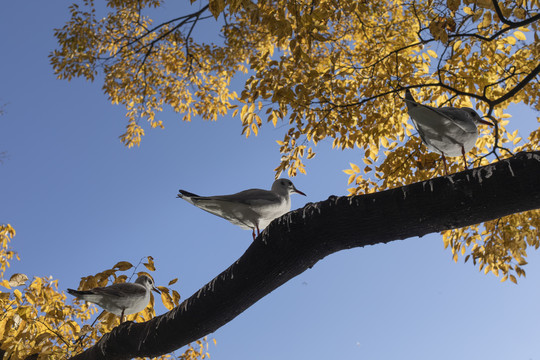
[38, 319]
[6, 234]
[323, 70]
[499, 246]
[147, 67]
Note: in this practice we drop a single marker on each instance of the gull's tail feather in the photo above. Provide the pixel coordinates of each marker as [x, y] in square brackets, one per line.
[78, 293]
[409, 100]
[186, 194]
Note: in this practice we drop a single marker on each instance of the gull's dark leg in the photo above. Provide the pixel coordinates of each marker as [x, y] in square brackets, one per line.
[444, 162]
[464, 158]
[258, 232]
[122, 317]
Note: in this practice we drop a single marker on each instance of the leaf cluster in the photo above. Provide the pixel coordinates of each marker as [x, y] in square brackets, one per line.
[38, 319]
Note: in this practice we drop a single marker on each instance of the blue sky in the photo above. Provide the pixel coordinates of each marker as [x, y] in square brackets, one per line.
[80, 201]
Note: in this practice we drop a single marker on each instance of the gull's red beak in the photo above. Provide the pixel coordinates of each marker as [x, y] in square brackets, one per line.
[298, 191]
[486, 122]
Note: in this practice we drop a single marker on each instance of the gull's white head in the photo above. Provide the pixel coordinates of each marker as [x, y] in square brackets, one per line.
[147, 282]
[475, 117]
[285, 186]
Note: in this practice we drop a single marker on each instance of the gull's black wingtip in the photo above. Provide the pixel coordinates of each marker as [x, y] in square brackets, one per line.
[182, 193]
[409, 99]
[77, 292]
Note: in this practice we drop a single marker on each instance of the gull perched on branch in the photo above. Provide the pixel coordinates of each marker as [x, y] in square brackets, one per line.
[448, 131]
[249, 209]
[120, 299]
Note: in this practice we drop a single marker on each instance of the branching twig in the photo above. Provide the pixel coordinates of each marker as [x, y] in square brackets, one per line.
[518, 87]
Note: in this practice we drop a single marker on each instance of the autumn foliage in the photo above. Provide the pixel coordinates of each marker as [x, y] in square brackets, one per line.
[333, 71]
[327, 71]
[39, 319]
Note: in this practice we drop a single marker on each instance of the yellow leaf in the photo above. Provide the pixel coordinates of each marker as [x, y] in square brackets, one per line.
[150, 266]
[519, 35]
[167, 301]
[123, 265]
[453, 5]
[173, 281]
[216, 7]
[17, 280]
[5, 284]
[163, 289]
[355, 167]
[42, 337]
[432, 53]
[176, 297]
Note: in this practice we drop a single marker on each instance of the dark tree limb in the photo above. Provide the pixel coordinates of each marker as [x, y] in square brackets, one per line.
[296, 241]
[513, 23]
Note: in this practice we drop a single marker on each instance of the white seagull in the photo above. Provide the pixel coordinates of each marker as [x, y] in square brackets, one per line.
[249, 209]
[447, 131]
[120, 299]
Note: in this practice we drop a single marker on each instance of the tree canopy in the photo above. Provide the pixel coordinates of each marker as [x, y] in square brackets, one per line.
[329, 70]
[332, 71]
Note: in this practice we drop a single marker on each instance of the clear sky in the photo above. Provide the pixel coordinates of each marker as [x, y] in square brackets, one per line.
[80, 201]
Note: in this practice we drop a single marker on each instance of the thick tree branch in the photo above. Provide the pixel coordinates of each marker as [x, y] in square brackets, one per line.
[296, 241]
[512, 23]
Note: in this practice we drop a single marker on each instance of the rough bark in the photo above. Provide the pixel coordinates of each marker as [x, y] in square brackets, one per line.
[296, 241]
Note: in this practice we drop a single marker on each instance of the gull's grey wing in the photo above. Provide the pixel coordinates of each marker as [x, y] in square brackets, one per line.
[249, 197]
[432, 135]
[432, 118]
[121, 290]
[455, 115]
[449, 115]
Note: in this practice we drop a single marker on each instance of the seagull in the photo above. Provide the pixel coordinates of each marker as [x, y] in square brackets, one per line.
[249, 209]
[447, 131]
[120, 299]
